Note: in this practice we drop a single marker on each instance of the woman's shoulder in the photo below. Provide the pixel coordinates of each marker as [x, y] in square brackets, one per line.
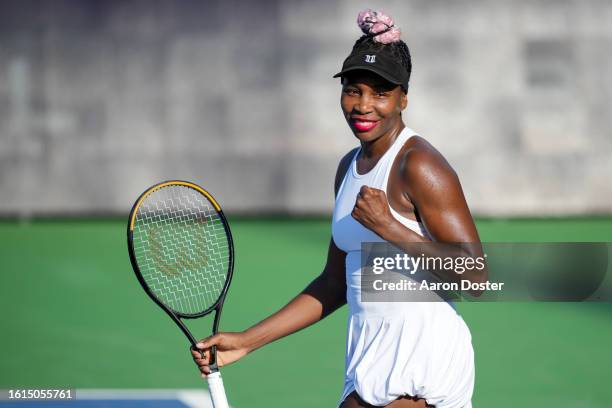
[421, 159]
[343, 167]
[418, 145]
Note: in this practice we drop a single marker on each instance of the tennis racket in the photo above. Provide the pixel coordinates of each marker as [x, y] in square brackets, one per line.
[181, 249]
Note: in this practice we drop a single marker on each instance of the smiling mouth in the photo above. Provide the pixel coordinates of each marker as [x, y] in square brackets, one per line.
[364, 125]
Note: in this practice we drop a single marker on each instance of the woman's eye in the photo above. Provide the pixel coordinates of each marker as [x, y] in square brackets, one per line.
[350, 91]
[381, 94]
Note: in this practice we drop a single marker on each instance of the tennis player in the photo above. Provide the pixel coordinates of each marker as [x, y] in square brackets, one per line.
[394, 187]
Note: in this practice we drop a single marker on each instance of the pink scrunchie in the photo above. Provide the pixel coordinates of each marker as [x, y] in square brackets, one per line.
[379, 26]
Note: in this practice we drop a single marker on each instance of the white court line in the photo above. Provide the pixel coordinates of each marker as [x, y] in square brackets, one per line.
[193, 398]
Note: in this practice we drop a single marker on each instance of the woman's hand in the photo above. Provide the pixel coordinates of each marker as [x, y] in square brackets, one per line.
[372, 209]
[230, 347]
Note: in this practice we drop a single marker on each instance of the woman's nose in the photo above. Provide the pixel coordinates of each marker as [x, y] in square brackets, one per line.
[364, 104]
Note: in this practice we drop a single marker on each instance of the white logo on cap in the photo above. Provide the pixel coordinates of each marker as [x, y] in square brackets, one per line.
[370, 58]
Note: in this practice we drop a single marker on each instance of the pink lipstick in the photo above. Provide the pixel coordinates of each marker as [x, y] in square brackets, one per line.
[363, 125]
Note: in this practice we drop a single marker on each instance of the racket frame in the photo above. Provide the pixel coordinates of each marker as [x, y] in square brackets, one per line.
[175, 315]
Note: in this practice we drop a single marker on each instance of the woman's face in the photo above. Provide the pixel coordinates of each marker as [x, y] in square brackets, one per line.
[371, 105]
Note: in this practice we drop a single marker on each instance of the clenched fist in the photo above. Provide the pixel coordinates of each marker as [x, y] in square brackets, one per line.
[372, 209]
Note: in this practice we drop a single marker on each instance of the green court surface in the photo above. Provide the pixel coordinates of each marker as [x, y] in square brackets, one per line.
[75, 316]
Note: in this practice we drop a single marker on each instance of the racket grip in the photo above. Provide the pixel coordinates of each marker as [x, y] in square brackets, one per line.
[217, 390]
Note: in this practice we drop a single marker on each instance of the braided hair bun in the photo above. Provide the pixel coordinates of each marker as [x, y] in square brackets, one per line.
[379, 26]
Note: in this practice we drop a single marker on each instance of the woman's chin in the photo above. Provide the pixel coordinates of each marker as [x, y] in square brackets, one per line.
[365, 136]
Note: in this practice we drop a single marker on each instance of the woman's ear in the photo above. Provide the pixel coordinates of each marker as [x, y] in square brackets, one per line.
[403, 101]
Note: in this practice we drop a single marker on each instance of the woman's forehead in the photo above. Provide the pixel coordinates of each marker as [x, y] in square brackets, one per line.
[367, 78]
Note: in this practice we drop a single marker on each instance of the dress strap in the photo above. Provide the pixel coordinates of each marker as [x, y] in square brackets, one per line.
[397, 146]
[348, 171]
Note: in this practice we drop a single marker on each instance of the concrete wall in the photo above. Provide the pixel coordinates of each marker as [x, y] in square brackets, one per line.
[99, 99]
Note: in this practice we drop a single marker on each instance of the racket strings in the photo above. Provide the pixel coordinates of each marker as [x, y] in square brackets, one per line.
[182, 249]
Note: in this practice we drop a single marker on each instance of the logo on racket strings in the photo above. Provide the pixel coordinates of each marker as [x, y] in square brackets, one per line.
[171, 260]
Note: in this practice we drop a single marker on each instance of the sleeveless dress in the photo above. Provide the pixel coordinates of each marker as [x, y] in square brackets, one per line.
[393, 349]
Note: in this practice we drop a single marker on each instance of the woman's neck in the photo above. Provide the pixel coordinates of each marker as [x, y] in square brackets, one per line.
[376, 148]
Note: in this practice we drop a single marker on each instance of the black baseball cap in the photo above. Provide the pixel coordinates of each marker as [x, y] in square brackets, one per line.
[379, 62]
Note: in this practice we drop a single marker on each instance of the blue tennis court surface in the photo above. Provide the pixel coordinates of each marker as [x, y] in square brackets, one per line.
[98, 404]
[123, 399]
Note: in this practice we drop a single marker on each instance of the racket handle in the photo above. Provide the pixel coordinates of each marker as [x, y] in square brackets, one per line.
[217, 391]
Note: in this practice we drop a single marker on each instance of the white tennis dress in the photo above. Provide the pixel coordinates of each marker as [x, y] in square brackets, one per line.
[421, 349]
